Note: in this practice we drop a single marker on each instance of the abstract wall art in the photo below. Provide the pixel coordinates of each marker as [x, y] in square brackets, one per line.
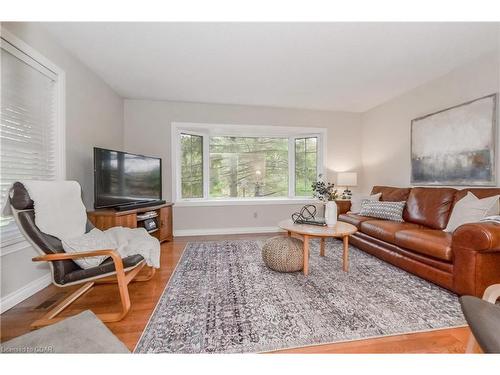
[456, 146]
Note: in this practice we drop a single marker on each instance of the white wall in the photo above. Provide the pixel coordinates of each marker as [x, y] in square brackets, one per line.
[147, 130]
[386, 128]
[94, 117]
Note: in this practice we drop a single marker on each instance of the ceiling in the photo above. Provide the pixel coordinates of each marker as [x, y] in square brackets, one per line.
[329, 66]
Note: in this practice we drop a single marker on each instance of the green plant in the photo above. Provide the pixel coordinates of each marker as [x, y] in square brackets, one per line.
[324, 190]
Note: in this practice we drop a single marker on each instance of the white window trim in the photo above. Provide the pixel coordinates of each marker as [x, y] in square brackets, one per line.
[212, 129]
[60, 115]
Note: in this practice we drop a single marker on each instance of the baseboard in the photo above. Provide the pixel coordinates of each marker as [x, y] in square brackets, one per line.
[219, 231]
[12, 299]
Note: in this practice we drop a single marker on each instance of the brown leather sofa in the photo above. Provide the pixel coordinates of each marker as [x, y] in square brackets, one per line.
[466, 261]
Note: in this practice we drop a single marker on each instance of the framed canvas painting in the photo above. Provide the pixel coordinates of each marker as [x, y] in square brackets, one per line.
[456, 146]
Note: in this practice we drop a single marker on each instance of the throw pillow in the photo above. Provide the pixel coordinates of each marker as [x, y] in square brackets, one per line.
[471, 209]
[93, 240]
[357, 202]
[383, 210]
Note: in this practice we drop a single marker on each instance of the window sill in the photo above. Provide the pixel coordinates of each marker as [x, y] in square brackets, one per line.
[244, 202]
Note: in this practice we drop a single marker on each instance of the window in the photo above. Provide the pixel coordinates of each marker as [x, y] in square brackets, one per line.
[242, 167]
[222, 162]
[192, 165]
[306, 165]
[30, 128]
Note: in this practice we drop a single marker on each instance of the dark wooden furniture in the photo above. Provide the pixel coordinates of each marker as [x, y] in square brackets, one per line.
[343, 206]
[108, 218]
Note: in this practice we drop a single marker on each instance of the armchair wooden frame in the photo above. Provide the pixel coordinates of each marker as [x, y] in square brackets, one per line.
[121, 276]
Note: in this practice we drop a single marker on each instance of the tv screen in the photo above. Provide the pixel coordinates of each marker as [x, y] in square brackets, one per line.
[121, 178]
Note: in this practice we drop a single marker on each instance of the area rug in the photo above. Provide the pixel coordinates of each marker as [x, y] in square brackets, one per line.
[223, 299]
[82, 333]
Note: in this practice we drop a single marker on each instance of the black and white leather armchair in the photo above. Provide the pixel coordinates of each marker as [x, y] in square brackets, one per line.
[65, 272]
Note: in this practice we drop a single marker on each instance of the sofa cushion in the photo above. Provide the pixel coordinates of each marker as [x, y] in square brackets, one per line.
[430, 207]
[478, 192]
[391, 194]
[383, 210]
[471, 209]
[357, 202]
[433, 242]
[353, 219]
[385, 230]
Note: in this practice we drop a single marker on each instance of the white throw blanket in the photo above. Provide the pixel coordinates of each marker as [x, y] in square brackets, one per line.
[58, 206]
[126, 241]
[59, 211]
[136, 241]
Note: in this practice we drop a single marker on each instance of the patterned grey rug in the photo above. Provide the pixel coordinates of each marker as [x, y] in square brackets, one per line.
[223, 299]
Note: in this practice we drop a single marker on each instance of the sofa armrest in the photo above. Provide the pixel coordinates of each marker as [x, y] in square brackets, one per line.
[481, 237]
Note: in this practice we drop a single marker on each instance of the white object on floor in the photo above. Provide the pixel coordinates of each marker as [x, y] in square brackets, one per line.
[331, 213]
[82, 333]
[471, 209]
[59, 210]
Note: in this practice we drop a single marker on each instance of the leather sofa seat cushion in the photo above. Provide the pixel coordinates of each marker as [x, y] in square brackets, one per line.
[391, 194]
[105, 267]
[354, 219]
[430, 207]
[432, 242]
[385, 230]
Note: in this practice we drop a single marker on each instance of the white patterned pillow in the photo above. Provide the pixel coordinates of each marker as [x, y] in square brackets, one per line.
[357, 202]
[383, 210]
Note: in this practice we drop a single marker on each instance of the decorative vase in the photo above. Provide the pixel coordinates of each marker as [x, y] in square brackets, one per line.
[331, 213]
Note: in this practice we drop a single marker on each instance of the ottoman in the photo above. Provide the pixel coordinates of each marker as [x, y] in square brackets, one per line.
[283, 254]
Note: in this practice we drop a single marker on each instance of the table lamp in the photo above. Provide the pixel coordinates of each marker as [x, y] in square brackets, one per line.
[347, 179]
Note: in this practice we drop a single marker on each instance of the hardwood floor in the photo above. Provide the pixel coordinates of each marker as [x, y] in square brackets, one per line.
[144, 297]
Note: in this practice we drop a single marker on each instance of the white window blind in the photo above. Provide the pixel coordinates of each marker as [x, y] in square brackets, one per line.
[27, 127]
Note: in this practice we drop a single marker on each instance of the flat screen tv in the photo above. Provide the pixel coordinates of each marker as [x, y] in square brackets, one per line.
[123, 179]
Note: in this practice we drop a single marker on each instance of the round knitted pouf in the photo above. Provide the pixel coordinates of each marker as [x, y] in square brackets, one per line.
[283, 254]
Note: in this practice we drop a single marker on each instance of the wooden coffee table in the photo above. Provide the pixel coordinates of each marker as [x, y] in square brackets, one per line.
[340, 230]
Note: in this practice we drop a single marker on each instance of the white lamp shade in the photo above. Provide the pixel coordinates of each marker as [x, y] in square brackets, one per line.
[347, 179]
